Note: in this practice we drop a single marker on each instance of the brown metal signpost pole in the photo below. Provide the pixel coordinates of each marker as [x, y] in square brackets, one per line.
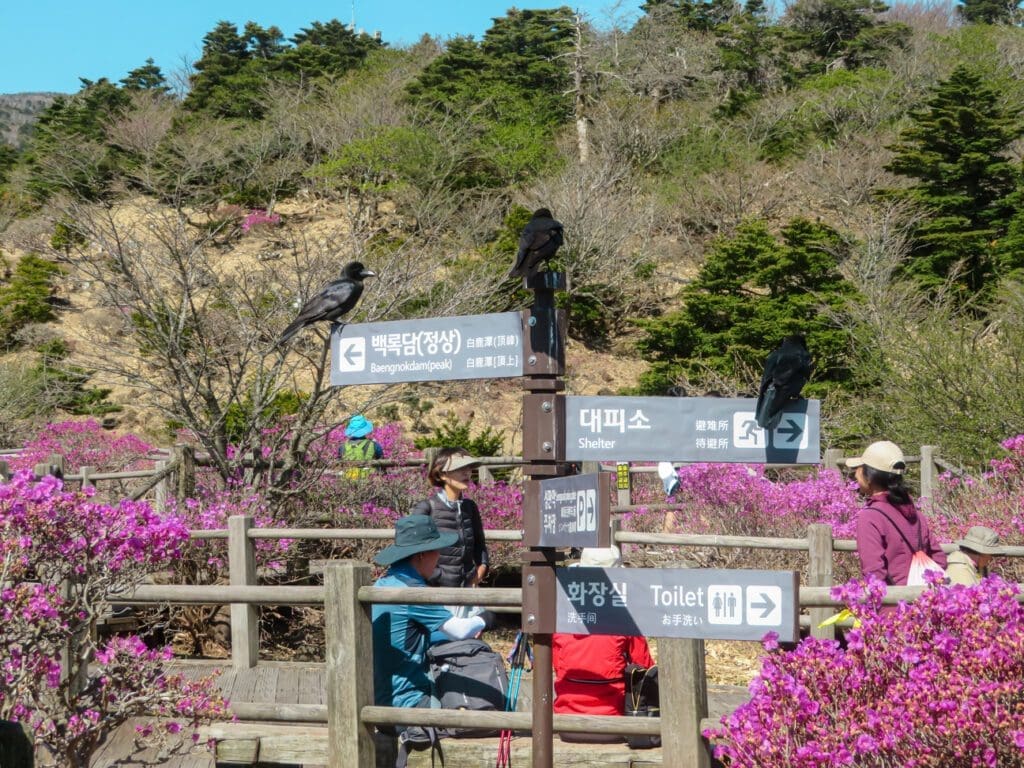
[544, 456]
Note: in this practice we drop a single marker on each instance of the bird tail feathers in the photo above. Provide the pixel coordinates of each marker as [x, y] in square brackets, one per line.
[768, 410]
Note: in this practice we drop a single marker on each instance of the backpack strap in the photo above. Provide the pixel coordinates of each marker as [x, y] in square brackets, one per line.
[920, 541]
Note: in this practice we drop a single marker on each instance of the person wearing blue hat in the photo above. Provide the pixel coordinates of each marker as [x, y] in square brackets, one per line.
[359, 446]
[401, 633]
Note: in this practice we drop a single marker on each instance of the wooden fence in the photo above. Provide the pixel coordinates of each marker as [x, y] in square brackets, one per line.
[347, 596]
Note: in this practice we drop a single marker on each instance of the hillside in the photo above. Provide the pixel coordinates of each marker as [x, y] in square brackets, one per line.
[845, 172]
[17, 113]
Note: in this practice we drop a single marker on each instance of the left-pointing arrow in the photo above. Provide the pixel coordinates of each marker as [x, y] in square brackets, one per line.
[766, 607]
[351, 354]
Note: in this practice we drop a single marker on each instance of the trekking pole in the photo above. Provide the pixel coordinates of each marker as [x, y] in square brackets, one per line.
[517, 660]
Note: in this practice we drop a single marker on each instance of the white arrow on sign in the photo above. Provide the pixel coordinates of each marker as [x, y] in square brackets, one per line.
[764, 605]
[352, 355]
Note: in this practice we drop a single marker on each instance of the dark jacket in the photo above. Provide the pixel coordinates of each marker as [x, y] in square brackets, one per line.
[458, 561]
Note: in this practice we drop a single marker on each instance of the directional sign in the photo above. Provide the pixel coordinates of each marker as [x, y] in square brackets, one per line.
[434, 349]
[678, 602]
[713, 429]
[571, 511]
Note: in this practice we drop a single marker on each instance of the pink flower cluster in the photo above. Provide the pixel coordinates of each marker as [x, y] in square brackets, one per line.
[740, 499]
[61, 555]
[260, 218]
[84, 444]
[936, 682]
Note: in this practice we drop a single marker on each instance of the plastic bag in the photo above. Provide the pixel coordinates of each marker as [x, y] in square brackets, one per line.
[920, 564]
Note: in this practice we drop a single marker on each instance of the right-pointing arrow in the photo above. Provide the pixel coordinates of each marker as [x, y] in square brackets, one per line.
[351, 354]
[793, 429]
[767, 606]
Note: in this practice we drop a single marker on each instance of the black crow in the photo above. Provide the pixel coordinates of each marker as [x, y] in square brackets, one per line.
[541, 237]
[335, 300]
[786, 370]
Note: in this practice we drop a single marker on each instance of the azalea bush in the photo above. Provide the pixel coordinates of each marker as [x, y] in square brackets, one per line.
[61, 555]
[936, 683]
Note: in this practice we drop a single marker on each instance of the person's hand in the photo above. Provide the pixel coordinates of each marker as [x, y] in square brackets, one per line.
[478, 576]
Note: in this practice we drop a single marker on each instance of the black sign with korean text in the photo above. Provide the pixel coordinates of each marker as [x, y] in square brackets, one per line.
[695, 603]
[573, 511]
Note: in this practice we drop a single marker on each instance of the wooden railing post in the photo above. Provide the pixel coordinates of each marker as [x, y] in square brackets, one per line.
[819, 574]
[832, 458]
[929, 472]
[684, 702]
[5, 472]
[185, 487]
[54, 465]
[86, 473]
[349, 640]
[245, 618]
[160, 493]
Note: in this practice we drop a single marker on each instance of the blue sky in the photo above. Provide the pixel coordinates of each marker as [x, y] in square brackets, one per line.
[48, 44]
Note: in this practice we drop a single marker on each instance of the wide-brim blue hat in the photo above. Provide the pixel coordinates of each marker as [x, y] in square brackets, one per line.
[358, 426]
[414, 534]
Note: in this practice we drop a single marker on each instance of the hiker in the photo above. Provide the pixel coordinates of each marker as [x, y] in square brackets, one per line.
[359, 446]
[969, 564]
[465, 562]
[890, 528]
[401, 632]
[590, 669]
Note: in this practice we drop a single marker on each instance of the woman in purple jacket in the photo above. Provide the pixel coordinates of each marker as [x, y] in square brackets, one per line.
[890, 529]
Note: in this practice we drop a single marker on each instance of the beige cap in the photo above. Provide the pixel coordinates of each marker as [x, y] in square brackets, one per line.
[459, 461]
[884, 456]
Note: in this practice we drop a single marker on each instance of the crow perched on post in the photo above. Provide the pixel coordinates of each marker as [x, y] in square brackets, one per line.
[786, 370]
[541, 237]
[338, 298]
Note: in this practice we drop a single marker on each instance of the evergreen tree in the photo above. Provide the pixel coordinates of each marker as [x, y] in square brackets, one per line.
[989, 11]
[753, 290]
[148, 77]
[698, 15]
[847, 32]
[27, 298]
[326, 49]
[215, 87]
[956, 150]
[747, 51]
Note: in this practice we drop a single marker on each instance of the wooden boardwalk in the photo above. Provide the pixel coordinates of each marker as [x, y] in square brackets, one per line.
[273, 682]
[269, 682]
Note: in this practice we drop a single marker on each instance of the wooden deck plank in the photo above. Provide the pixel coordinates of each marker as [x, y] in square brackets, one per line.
[266, 684]
[244, 684]
[287, 687]
[311, 686]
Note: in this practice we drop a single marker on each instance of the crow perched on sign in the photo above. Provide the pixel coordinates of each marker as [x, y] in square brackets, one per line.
[786, 370]
[336, 299]
[541, 237]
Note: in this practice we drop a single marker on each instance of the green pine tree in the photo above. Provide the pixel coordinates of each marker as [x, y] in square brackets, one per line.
[27, 297]
[956, 151]
[989, 11]
[148, 77]
[753, 290]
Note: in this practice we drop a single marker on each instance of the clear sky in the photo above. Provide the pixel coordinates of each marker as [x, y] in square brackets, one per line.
[48, 44]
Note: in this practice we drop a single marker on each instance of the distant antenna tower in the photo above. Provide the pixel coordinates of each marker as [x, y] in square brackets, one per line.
[352, 24]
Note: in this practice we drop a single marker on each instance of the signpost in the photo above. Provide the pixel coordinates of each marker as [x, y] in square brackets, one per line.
[711, 429]
[432, 349]
[571, 511]
[690, 603]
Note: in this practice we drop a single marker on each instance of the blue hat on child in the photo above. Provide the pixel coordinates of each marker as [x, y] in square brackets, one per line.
[358, 426]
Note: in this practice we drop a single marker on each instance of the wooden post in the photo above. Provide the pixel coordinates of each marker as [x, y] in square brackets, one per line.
[5, 472]
[160, 493]
[929, 472]
[245, 618]
[54, 465]
[832, 458]
[484, 474]
[185, 486]
[86, 479]
[684, 702]
[349, 640]
[819, 574]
